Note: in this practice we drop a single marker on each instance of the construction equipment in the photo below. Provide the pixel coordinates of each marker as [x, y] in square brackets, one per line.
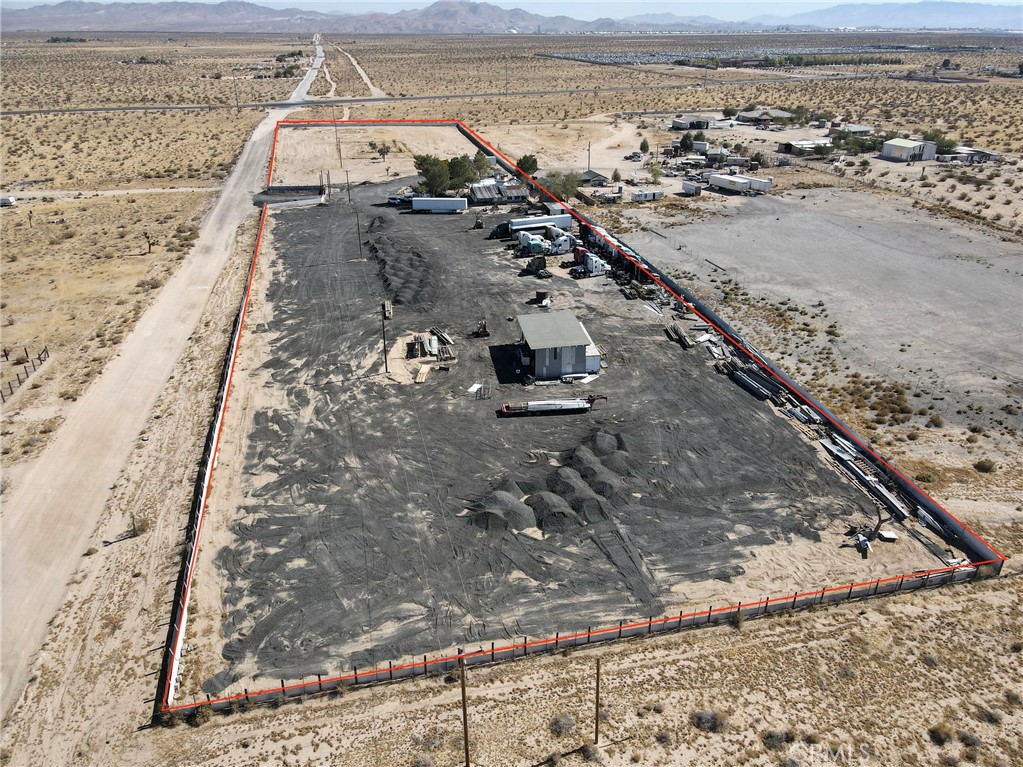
[549, 406]
[481, 330]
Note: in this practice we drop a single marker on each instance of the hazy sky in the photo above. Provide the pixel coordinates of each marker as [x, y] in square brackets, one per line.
[727, 10]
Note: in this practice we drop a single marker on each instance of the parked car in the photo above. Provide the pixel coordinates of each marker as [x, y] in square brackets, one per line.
[7, 202]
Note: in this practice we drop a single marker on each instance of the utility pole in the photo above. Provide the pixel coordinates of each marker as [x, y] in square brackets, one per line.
[588, 144]
[505, 78]
[348, 180]
[596, 713]
[465, 710]
[337, 138]
[383, 333]
[237, 106]
[358, 230]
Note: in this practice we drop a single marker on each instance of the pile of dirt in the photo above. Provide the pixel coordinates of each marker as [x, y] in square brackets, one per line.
[406, 274]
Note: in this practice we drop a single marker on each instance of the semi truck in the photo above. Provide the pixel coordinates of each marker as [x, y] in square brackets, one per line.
[535, 223]
[439, 204]
[592, 266]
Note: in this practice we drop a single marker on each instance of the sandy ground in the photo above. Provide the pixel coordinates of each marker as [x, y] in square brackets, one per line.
[41, 542]
[302, 153]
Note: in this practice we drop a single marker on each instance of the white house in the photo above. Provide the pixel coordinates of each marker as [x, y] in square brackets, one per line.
[909, 150]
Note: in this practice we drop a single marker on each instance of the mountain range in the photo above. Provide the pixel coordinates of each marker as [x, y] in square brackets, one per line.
[464, 17]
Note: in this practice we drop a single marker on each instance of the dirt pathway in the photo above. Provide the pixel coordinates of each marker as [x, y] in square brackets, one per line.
[56, 501]
[373, 90]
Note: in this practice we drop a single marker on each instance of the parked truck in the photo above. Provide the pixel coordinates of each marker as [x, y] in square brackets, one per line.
[591, 266]
[439, 204]
[534, 223]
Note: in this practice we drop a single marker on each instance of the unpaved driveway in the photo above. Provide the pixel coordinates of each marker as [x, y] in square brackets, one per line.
[55, 502]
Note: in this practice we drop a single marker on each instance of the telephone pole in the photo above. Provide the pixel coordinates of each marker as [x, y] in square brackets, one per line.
[596, 713]
[465, 710]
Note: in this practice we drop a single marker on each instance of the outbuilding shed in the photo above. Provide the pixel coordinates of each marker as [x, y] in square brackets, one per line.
[554, 345]
[909, 150]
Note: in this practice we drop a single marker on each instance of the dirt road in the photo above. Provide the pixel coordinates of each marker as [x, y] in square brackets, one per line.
[55, 502]
[373, 90]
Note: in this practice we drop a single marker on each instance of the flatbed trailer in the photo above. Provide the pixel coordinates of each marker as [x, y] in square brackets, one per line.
[550, 406]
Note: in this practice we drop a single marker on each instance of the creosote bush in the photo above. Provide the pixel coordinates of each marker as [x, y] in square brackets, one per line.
[709, 721]
[563, 724]
[984, 466]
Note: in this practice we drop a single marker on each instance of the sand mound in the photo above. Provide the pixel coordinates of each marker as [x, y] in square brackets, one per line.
[503, 511]
[553, 514]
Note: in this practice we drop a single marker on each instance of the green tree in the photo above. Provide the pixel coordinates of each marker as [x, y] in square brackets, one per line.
[616, 176]
[644, 146]
[383, 150]
[945, 144]
[460, 172]
[822, 150]
[528, 164]
[562, 185]
[728, 112]
[655, 173]
[758, 157]
[686, 144]
[435, 173]
[481, 164]
[699, 136]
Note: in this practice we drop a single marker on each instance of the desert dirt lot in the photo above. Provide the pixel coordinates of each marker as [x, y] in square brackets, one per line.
[111, 69]
[947, 661]
[650, 473]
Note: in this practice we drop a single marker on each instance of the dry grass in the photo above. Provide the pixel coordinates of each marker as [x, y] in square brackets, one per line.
[76, 281]
[130, 150]
[195, 69]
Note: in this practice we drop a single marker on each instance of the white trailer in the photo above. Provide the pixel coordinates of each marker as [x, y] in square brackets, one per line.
[562, 221]
[439, 204]
[691, 189]
[646, 196]
[731, 183]
[759, 184]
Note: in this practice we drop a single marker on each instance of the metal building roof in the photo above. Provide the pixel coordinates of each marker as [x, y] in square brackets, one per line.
[552, 330]
[903, 142]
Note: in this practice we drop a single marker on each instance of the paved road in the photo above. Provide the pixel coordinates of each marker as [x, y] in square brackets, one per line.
[56, 501]
[447, 97]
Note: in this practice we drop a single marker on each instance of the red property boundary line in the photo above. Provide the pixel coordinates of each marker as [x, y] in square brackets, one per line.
[622, 630]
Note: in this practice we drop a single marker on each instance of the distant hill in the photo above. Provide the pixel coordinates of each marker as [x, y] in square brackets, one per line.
[463, 17]
[922, 15]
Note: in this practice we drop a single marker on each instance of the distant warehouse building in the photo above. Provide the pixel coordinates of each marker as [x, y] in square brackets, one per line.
[909, 150]
[554, 345]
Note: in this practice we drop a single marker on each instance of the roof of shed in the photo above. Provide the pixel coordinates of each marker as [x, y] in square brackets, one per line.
[554, 329]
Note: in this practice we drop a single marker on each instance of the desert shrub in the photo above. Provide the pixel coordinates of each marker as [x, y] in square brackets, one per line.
[940, 734]
[199, 716]
[936, 421]
[988, 716]
[665, 738]
[590, 752]
[924, 476]
[969, 739]
[423, 760]
[563, 724]
[775, 739]
[984, 466]
[709, 721]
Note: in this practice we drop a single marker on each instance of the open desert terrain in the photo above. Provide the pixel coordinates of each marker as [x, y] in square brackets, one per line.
[892, 293]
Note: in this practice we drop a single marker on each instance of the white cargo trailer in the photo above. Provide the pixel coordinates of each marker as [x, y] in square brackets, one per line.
[759, 184]
[439, 204]
[647, 195]
[691, 188]
[731, 183]
[563, 221]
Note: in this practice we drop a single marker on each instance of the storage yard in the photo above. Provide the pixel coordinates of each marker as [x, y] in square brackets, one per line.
[368, 511]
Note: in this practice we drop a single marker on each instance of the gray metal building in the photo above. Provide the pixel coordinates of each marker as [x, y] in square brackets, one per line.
[554, 345]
